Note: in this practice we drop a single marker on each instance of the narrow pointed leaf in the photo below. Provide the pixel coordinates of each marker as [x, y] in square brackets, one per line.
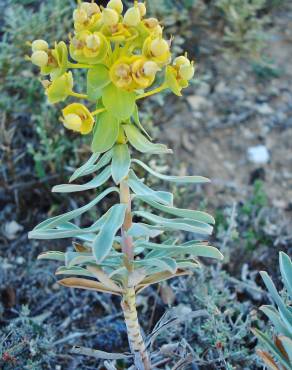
[78, 271]
[52, 255]
[81, 170]
[106, 133]
[104, 240]
[177, 179]
[275, 318]
[286, 272]
[141, 143]
[140, 189]
[85, 284]
[287, 344]
[164, 264]
[138, 123]
[121, 162]
[100, 275]
[184, 213]
[93, 184]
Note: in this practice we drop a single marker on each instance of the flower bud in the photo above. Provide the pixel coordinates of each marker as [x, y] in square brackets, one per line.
[110, 17]
[181, 61]
[150, 68]
[159, 47]
[90, 8]
[80, 15]
[151, 22]
[142, 9]
[72, 122]
[39, 45]
[116, 5]
[132, 17]
[93, 42]
[40, 58]
[187, 71]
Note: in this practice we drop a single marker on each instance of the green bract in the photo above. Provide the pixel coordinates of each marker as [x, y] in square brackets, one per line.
[121, 252]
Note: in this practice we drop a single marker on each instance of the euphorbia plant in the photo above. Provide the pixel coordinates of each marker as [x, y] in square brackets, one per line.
[120, 253]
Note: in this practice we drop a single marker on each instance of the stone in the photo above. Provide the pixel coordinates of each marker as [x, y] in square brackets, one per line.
[258, 154]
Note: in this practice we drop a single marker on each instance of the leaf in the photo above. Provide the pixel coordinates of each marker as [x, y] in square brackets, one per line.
[164, 264]
[93, 184]
[268, 359]
[287, 344]
[97, 79]
[121, 162]
[52, 255]
[286, 271]
[276, 297]
[106, 133]
[159, 277]
[100, 275]
[101, 355]
[185, 213]
[58, 220]
[138, 123]
[140, 189]
[275, 318]
[79, 271]
[137, 231]
[184, 224]
[119, 102]
[171, 81]
[81, 170]
[104, 240]
[141, 143]
[104, 160]
[270, 345]
[177, 179]
[77, 258]
[85, 284]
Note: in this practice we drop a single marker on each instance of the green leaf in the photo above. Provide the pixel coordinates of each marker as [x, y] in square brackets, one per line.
[137, 231]
[286, 272]
[106, 133]
[52, 255]
[93, 184]
[78, 258]
[184, 224]
[121, 162]
[271, 346]
[287, 344]
[137, 121]
[97, 79]
[163, 264]
[171, 81]
[184, 213]
[81, 170]
[141, 143]
[140, 189]
[58, 220]
[104, 160]
[177, 179]
[287, 315]
[78, 271]
[104, 240]
[275, 318]
[118, 102]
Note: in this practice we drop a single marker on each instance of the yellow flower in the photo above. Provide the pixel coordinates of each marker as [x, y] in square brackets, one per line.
[132, 17]
[152, 27]
[110, 17]
[60, 88]
[142, 9]
[87, 17]
[117, 5]
[132, 73]
[40, 58]
[157, 49]
[88, 47]
[39, 45]
[77, 117]
[179, 74]
[119, 33]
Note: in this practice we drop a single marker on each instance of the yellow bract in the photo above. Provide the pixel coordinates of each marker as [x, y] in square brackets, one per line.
[77, 117]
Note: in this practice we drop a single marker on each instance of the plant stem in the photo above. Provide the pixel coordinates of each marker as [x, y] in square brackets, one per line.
[98, 111]
[136, 341]
[77, 95]
[152, 92]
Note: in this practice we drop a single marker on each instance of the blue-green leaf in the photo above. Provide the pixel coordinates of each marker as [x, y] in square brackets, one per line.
[104, 240]
[184, 224]
[140, 189]
[121, 162]
[81, 170]
[141, 143]
[275, 318]
[286, 272]
[78, 271]
[93, 184]
[138, 123]
[177, 179]
[52, 255]
[163, 264]
[137, 231]
[185, 213]
[119, 102]
[106, 133]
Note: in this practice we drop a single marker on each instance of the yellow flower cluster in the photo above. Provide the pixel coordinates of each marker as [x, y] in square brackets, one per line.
[130, 47]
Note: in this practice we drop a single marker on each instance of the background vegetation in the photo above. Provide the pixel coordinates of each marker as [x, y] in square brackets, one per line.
[233, 126]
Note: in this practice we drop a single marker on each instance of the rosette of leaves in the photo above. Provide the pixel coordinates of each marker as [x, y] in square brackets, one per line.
[121, 252]
[279, 355]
